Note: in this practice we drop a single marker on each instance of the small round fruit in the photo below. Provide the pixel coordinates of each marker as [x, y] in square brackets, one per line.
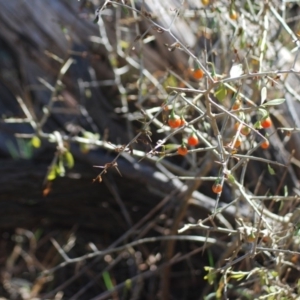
[233, 15]
[217, 188]
[236, 105]
[182, 150]
[198, 73]
[250, 238]
[238, 142]
[265, 144]
[236, 126]
[266, 123]
[174, 121]
[205, 2]
[182, 121]
[193, 140]
[245, 130]
[166, 108]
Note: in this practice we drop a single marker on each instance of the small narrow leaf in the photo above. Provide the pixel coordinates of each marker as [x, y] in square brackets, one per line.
[285, 191]
[263, 94]
[238, 275]
[170, 146]
[60, 169]
[264, 113]
[257, 125]
[52, 174]
[281, 205]
[69, 159]
[128, 284]
[231, 178]
[221, 93]
[271, 170]
[107, 280]
[274, 102]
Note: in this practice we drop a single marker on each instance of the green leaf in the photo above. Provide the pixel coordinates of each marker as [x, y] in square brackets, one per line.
[170, 147]
[210, 258]
[274, 274]
[264, 113]
[171, 81]
[257, 125]
[285, 191]
[210, 277]
[36, 142]
[242, 116]
[52, 174]
[107, 280]
[60, 169]
[274, 102]
[263, 94]
[231, 178]
[69, 159]
[221, 93]
[128, 284]
[238, 275]
[281, 205]
[124, 44]
[271, 170]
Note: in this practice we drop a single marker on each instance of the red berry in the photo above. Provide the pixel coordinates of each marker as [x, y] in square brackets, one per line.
[182, 121]
[265, 144]
[198, 73]
[238, 142]
[266, 123]
[174, 121]
[217, 188]
[182, 150]
[236, 105]
[236, 126]
[193, 140]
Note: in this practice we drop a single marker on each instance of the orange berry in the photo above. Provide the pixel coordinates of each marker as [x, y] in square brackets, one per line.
[174, 121]
[193, 140]
[233, 14]
[266, 123]
[182, 121]
[182, 150]
[238, 142]
[245, 130]
[217, 188]
[205, 2]
[198, 74]
[237, 125]
[250, 238]
[265, 144]
[236, 105]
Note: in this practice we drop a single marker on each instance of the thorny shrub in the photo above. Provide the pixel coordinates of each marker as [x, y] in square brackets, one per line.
[219, 106]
